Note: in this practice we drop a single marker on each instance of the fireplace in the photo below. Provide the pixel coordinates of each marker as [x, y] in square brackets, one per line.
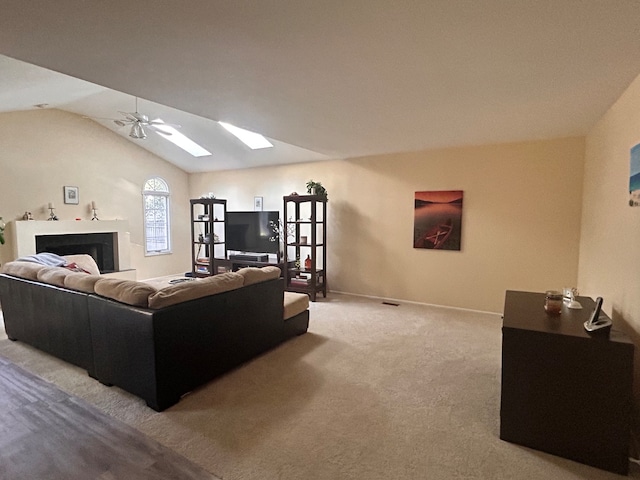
[99, 245]
[107, 241]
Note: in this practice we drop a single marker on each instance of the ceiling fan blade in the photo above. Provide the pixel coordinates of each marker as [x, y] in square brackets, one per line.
[140, 117]
[153, 123]
[99, 118]
[160, 132]
[158, 128]
[129, 116]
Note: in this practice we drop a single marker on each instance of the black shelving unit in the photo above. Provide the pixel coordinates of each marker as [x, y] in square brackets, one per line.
[305, 216]
[208, 234]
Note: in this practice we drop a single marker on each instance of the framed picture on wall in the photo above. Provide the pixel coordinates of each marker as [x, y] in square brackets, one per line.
[437, 219]
[72, 195]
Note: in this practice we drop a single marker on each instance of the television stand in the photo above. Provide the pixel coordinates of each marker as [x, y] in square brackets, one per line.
[237, 264]
[250, 257]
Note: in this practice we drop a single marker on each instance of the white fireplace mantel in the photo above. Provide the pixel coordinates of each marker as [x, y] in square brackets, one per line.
[24, 233]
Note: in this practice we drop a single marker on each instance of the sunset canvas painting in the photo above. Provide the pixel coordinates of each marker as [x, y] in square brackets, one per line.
[437, 220]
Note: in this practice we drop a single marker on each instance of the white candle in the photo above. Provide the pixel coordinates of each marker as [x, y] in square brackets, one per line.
[93, 205]
[51, 205]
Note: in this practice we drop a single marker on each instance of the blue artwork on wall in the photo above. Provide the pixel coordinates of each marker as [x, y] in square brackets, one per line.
[634, 177]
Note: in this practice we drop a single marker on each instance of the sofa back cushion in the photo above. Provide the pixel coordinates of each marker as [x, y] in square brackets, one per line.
[201, 287]
[125, 291]
[84, 261]
[53, 275]
[255, 275]
[81, 282]
[28, 270]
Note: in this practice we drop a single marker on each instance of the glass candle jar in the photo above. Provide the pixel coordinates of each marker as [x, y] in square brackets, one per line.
[553, 302]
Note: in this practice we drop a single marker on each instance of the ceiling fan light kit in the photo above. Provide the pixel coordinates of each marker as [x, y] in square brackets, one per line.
[137, 131]
[138, 121]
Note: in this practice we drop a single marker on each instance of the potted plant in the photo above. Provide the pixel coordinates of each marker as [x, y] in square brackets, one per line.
[316, 188]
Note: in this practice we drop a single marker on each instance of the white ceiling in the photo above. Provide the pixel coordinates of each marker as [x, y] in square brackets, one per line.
[23, 86]
[326, 79]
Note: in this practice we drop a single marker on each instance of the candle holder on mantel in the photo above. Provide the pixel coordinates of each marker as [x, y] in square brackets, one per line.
[94, 208]
[52, 216]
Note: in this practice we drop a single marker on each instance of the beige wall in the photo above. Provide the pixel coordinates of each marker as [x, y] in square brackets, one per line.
[521, 221]
[609, 263]
[520, 226]
[44, 150]
[609, 247]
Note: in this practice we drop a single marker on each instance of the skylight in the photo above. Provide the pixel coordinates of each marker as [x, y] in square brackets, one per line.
[182, 141]
[253, 140]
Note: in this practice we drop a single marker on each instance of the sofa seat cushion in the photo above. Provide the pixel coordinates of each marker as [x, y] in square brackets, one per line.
[81, 282]
[201, 287]
[28, 270]
[53, 275]
[125, 291]
[255, 275]
[295, 303]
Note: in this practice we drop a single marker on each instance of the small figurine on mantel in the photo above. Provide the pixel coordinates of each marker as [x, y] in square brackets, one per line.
[27, 216]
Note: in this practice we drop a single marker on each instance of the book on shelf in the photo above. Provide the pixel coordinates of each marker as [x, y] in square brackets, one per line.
[308, 275]
[300, 281]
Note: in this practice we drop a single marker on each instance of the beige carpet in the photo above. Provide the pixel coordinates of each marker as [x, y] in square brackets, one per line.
[371, 392]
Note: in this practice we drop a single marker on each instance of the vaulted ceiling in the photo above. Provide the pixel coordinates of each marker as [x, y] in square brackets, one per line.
[329, 79]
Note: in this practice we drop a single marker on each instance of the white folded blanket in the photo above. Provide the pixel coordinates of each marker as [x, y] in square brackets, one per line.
[45, 258]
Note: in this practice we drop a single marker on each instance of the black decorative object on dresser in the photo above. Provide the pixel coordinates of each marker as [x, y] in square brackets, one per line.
[306, 216]
[565, 391]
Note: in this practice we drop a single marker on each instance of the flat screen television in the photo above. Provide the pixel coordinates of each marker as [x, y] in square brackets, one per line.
[252, 231]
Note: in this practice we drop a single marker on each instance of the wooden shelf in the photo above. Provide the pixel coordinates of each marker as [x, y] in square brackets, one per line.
[313, 207]
[210, 227]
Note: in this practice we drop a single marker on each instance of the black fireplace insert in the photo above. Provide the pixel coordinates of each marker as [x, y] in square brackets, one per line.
[101, 246]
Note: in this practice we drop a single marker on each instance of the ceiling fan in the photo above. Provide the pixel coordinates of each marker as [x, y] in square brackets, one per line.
[138, 121]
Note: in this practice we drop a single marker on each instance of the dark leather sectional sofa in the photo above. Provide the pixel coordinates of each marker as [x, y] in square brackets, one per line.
[157, 354]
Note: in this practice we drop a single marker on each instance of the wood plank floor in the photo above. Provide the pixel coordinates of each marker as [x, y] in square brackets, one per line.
[46, 433]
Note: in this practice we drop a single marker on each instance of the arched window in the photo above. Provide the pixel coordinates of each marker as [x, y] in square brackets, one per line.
[155, 196]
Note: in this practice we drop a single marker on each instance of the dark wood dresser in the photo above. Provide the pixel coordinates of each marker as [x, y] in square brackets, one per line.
[565, 391]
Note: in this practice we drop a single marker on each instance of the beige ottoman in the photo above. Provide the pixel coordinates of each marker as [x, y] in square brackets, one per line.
[296, 314]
